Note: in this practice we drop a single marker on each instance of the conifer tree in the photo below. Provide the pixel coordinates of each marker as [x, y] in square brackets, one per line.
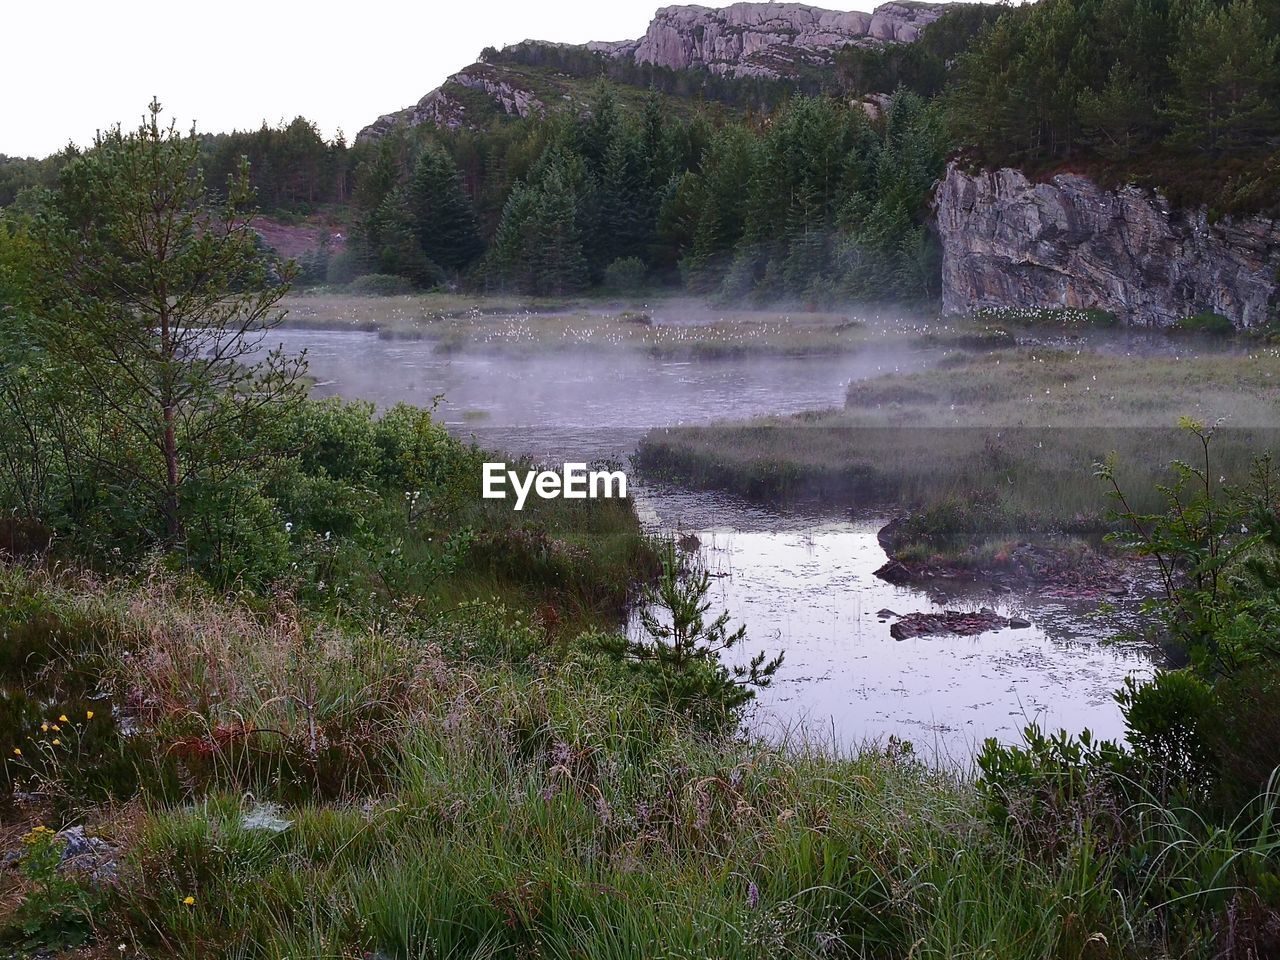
[444, 220]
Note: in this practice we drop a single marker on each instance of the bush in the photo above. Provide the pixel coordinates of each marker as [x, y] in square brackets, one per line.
[343, 267]
[381, 285]
[1246, 741]
[1170, 722]
[625, 275]
[1206, 323]
[313, 268]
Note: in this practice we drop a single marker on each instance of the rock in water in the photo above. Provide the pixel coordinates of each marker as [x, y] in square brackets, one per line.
[952, 622]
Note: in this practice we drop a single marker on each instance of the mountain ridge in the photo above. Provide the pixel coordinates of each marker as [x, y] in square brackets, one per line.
[743, 41]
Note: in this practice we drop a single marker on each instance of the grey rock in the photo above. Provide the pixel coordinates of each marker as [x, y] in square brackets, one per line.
[1010, 242]
[91, 856]
[769, 39]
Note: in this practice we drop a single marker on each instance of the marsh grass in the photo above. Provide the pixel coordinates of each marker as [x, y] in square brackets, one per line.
[667, 327]
[1016, 433]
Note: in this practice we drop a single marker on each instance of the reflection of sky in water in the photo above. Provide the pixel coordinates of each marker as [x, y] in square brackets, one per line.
[811, 592]
[805, 586]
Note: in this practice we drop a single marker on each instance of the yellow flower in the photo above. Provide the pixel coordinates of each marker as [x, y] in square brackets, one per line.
[36, 834]
[189, 901]
[63, 719]
[17, 751]
[44, 728]
[57, 742]
[56, 728]
[88, 714]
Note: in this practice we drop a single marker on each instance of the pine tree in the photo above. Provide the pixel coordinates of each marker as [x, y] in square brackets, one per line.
[562, 267]
[156, 303]
[1225, 79]
[444, 220]
[395, 245]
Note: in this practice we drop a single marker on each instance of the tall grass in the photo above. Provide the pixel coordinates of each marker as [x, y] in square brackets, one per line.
[454, 795]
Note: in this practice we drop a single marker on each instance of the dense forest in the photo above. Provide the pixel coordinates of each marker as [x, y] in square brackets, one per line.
[812, 189]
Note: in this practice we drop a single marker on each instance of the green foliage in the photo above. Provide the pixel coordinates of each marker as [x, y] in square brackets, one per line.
[292, 167]
[626, 275]
[1207, 323]
[1215, 547]
[444, 221]
[1180, 95]
[1171, 722]
[679, 658]
[1037, 789]
[146, 332]
[56, 911]
[1226, 79]
[922, 66]
[381, 285]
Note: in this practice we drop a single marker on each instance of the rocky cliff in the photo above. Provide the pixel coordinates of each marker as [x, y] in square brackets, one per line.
[770, 40]
[1008, 241]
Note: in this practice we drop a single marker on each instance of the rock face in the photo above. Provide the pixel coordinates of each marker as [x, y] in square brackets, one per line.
[743, 40]
[768, 39]
[1009, 242]
[445, 106]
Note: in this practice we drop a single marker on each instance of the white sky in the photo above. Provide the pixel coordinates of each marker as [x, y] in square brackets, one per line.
[71, 67]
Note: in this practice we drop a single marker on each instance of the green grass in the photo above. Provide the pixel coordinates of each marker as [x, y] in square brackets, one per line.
[443, 804]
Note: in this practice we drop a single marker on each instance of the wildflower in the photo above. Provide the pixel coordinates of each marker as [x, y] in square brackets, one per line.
[753, 895]
[36, 834]
[63, 718]
[57, 742]
[17, 751]
[88, 714]
[189, 901]
[44, 728]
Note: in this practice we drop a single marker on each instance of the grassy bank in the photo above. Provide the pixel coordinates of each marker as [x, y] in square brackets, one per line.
[454, 791]
[992, 446]
[662, 325]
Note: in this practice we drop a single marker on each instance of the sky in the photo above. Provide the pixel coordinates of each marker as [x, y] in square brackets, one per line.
[72, 67]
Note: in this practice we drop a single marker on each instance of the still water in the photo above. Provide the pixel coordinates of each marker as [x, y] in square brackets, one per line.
[801, 582]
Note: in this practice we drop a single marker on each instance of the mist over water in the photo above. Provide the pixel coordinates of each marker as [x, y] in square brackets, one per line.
[801, 581]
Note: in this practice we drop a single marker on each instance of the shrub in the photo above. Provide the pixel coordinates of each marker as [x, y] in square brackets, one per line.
[625, 275]
[680, 658]
[381, 285]
[343, 267]
[1208, 323]
[1246, 741]
[1170, 722]
[56, 911]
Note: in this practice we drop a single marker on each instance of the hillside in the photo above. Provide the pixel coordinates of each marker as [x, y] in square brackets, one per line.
[744, 53]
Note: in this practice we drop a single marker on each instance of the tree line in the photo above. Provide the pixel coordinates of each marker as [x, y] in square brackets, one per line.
[814, 201]
[1179, 94]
